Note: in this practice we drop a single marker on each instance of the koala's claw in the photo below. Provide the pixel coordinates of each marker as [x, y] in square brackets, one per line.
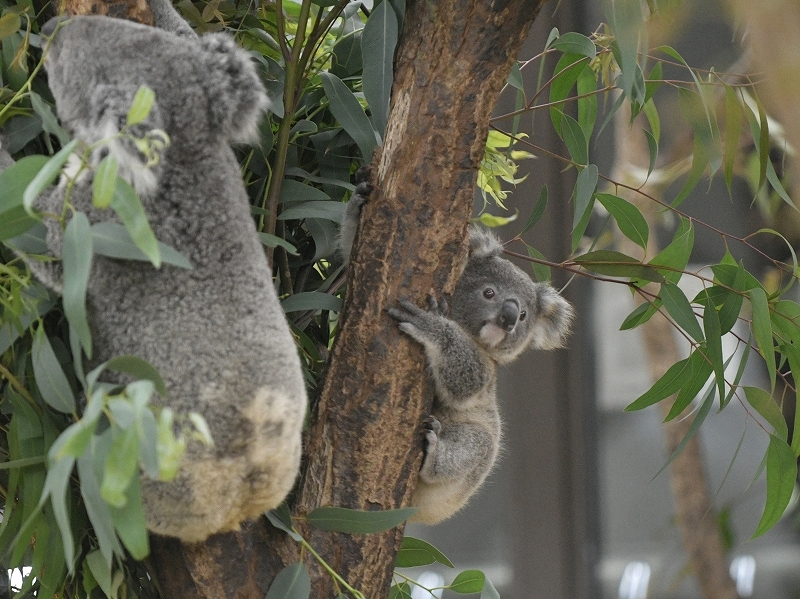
[437, 306]
[432, 424]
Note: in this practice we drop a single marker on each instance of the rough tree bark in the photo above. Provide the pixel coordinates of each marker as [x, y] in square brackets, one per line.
[364, 445]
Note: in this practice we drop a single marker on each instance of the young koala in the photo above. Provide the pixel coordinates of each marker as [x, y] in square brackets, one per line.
[495, 313]
[215, 332]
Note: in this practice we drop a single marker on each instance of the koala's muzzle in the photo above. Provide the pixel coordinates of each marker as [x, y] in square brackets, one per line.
[509, 315]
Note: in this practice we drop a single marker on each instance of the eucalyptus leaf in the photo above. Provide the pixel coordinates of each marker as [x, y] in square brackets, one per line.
[357, 521]
[629, 219]
[50, 378]
[77, 264]
[576, 44]
[293, 582]
[781, 477]
[378, 45]
[311, 300]
[766, 406]
[416, 552]
[128, 206]
[348, 112]
[609, 262]
[469, 581]
[681, 310]
[114, 241]
[46, 175]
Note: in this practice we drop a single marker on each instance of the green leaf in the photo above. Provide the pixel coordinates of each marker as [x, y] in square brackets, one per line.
[652, 146]
[541, 272]
[627, 22]
[573, 136]
[629, 219]
[714, 345]
[100, 570]
[699, 163]
[654, 121]
[49, 121]
[104, 182]
[46, 175]
[341, 519]
[616, 264]
[576, 43]
[766, 406]
[128, 206]
[295, 191]
[705, 407]
[489, 592]
[311, 300]
[9, 23]
[142, 104]
[348, 112]
[469, 581]
[739, 372]
[681, 310]
[293, 582]
[584, 192]
[733, 132]
[129, 521]
[273, 241]
[378, 44]
[15, 222]
[700, 370]
[676, 254]
[416, 552]
[762, 330]
[587, 105]
[120, 467]
[55, 487]
[314, 209]
[670, 382]
[640, 315]
[397, 591]
[567, 70]
[50, 378]
[98, 510]
[136, 367]
[114, 241]
[781, 476]
[77, 262]
[281, 519]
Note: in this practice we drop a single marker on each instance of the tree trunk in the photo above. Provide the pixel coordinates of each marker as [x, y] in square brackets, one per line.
[364, 446]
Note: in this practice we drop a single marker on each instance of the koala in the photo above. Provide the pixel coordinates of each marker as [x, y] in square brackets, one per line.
[494, 314]
[215, 332]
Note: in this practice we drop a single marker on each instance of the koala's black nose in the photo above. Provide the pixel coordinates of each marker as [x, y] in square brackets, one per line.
[49, 28]
[509, 315]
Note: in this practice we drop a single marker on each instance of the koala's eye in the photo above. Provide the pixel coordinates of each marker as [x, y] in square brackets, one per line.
[488, 293]
[522, 315]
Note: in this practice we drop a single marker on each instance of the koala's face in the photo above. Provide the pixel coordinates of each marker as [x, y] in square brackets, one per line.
[505, 311]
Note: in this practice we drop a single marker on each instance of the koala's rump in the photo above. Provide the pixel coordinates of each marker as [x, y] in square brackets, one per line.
[223, 356]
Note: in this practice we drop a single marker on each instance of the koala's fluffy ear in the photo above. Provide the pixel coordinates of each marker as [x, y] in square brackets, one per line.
[483, 243]
[237, 95]
[110, 104]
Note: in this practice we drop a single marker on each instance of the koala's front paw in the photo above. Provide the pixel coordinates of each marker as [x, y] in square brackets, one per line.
[420, 324]
[432, 428]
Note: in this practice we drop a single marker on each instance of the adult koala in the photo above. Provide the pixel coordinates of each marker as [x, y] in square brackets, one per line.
[215, 332]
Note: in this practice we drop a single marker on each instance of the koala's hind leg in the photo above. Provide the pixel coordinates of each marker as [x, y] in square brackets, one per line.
[458, 450]
[458, 458]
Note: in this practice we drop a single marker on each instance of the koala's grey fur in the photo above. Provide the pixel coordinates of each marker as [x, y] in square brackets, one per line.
[495, 313]
[216, 333]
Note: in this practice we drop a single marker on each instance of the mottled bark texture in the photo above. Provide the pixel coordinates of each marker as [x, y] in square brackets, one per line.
[364, 445]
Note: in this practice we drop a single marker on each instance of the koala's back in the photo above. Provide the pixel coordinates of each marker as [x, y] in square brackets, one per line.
[215, 332]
